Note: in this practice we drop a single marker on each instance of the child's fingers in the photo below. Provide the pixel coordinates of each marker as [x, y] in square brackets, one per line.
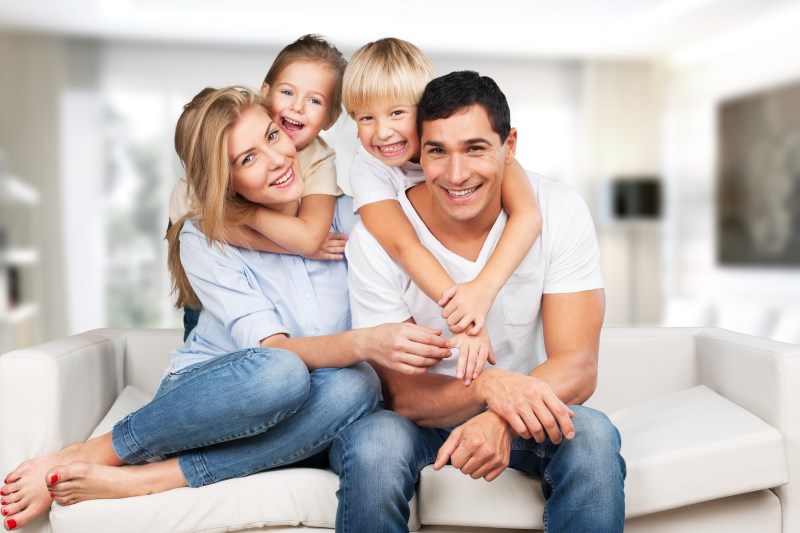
[477, 325]
[483, 354]
[490, 357]
[447, 295]
[469, 372]
[462, 361]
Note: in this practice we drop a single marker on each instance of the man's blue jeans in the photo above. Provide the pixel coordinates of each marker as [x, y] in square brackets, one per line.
[245, 412]
[379, 458]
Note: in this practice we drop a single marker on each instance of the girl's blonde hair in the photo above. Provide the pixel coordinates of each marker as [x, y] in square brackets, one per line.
[201, 141]
[389, 69]
[314, 49]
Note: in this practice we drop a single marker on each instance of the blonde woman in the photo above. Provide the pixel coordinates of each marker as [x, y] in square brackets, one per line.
[271, 372]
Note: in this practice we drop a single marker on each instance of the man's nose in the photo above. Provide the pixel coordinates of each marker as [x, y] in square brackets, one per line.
[458, 172]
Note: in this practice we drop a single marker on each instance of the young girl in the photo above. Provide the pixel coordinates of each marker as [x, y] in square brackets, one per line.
[382, 85]
[265, 372]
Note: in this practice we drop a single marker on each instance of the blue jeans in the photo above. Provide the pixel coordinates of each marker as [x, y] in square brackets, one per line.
[245, 412]
[379, 458]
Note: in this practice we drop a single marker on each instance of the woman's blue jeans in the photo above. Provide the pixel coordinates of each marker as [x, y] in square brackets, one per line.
[379, 458]
[245, 412]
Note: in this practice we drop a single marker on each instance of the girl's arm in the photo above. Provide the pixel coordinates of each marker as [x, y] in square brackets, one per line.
[469, 302]
[386, 222]
[303, 234]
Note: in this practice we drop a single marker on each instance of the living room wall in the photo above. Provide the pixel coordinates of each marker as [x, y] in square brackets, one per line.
[696, 83]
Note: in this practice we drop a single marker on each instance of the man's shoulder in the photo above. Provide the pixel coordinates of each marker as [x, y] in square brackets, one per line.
[553, 195]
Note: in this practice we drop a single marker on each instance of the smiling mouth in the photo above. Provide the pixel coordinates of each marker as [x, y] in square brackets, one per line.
[463, 193]
[283, 179]
[291, 126]
[390, 150]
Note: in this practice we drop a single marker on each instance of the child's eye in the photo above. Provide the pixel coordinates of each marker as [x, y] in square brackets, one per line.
[316, 101]
[397, 113]
[365, 118]
[286, 92]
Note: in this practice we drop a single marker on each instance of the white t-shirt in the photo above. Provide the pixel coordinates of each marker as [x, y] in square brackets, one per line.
[564, 259]
[317, 165]
[372, 180]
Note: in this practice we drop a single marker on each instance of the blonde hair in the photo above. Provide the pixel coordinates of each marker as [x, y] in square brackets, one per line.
[201, 141]
[388, 69]
[315, 49]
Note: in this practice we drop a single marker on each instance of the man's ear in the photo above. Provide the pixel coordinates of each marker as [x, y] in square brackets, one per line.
[511, 146]
[264, 92]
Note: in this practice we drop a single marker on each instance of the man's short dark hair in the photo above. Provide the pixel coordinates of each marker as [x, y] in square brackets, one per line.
[447, 95]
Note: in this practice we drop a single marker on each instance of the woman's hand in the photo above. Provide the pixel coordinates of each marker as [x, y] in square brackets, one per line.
[407, 348]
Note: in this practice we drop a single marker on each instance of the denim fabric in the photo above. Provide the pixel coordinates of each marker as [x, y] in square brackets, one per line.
[190, 318]
[245, 412]
[379, 458]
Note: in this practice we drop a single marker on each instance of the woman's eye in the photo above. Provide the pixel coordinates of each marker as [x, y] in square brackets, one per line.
[273, 135]
[246, 159]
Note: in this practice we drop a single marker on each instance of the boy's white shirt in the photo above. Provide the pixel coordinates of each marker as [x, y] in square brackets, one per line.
[564, 259]
[372, 180]
[317, 165]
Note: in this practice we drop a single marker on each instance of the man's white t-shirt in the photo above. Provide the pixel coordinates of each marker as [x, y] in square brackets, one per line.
[372, 180]
[564, 259]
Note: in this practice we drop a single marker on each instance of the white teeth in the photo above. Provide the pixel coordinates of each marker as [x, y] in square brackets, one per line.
[390, 149]
[285, 178]
[465, 192]
[292, 122]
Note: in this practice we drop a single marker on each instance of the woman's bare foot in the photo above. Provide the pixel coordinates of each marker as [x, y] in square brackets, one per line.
[79, 481]
[25, 493]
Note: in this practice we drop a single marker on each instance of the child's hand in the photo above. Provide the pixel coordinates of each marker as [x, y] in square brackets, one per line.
[473, 353]
[464, 305]
[332, 248]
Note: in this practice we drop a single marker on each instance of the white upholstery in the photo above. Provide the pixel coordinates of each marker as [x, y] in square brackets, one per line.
[710, 424]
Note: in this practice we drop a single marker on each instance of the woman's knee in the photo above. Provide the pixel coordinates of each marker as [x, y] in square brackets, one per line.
[355, 388]
[273, 379]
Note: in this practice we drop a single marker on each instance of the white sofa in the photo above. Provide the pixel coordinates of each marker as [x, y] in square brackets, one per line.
[710, 424]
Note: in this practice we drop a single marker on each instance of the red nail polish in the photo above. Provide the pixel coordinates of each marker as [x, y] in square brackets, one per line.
[53, 478]
[2, 502]
[3, 493]
[4, 511]
[11, 523]
[52, 495]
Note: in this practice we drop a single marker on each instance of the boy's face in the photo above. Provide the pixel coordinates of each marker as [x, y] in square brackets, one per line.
[388, 131]
[299, 100]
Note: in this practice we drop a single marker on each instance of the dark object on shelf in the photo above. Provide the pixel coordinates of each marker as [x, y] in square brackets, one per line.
[14, 289]
[636, 197]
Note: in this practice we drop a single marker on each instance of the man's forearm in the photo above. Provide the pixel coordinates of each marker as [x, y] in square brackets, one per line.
[572, 376]
[430, 400]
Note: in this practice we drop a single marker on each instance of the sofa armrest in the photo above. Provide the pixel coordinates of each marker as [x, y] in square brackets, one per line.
[763, 377]
[56, 393]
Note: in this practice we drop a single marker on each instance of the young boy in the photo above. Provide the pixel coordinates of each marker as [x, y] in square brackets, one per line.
[382, 84]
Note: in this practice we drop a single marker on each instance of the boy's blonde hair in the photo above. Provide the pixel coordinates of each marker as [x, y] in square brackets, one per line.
[389, 69]
[315, 49]
[201, 140]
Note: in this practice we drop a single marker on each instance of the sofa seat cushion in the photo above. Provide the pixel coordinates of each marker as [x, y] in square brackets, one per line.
[692, 446]
[681, 448]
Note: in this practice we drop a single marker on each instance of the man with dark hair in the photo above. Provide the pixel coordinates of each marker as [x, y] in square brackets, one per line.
[526, 413]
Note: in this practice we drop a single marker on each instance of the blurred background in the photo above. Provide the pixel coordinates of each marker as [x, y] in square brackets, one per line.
[677, 120]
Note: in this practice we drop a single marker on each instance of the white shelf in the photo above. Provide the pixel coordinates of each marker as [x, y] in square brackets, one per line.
[14, 190]
[19, 256]
[18, 314]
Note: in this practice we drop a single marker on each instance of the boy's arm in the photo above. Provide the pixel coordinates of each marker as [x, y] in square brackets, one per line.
[300, 235]
[386, 222]
[522, 229]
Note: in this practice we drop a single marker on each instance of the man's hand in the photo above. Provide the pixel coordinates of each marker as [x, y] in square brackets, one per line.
[407, 348]
[480, 447]
[528, 404]
[473, 353]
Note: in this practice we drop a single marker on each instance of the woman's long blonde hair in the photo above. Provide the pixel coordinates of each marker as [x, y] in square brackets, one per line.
[201, 141]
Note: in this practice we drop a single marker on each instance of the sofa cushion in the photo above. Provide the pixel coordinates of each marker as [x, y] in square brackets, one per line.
[681, 448]
[692, 446]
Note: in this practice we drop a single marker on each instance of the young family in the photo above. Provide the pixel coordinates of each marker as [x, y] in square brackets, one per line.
[460, 258]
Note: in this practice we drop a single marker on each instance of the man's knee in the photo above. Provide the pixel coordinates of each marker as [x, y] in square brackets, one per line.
[597, 442]
[378, 442]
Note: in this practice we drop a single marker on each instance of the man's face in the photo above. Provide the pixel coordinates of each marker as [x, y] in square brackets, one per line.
[464, 160]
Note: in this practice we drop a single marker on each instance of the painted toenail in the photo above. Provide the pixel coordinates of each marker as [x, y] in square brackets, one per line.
[53, 479]
[5, 512]
[52, 495]
[2, 502]
[11, 523]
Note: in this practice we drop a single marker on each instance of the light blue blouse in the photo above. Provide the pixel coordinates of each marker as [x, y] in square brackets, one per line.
[249, 295]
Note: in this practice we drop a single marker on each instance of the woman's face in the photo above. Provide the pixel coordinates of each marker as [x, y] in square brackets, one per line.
[263, 160]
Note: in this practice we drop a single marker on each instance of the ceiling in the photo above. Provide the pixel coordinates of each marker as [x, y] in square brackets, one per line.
[549, 28]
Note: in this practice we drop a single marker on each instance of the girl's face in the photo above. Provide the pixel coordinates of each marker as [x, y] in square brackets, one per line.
[263, 160]
[300, 100]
